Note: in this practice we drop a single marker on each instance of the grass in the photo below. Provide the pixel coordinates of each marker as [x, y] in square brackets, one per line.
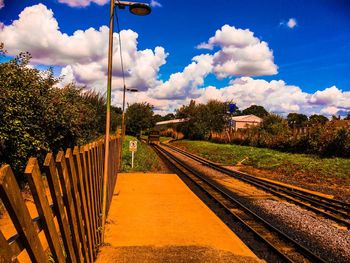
[163, 139]
[267, 159]
[145, 158]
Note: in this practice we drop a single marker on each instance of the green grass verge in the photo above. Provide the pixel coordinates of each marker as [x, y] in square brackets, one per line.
[145, 158]
[267, 159]
[163, 139]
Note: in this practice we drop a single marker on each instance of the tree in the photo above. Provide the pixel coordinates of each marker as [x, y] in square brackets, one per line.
[169, 116]
[347, 117]
[215, 115]
[317, 119]
[194, 128]
[296, 119]
[157, 118]
[139, 116]
[256, 110]
[274, 124]
[203, 118]
[37, 117]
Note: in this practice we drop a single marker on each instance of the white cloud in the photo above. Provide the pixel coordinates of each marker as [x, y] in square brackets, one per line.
[276, 96]
[184, 84]
[84, 53]
[2, 4]
[292, 22]
[82, 3]
[155, 3]
[240, 54]
[331, 110]
[83, 58]
[331, 97]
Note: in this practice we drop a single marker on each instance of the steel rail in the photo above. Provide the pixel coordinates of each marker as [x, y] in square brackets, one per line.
[284, 192]
[294, 245]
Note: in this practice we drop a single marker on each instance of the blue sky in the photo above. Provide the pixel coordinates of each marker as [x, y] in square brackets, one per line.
[307, 59]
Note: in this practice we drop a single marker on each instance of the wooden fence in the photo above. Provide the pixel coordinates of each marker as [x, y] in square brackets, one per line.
[72, 222]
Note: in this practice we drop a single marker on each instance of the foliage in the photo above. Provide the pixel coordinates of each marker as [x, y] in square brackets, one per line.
[256, 110]
[317, 119]
[37, 117]
[145, 158]
[296, 119]
[203, 118]
[138, 116]
[348, 116]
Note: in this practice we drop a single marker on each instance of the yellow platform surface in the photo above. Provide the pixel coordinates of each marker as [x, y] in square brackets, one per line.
[157, 218]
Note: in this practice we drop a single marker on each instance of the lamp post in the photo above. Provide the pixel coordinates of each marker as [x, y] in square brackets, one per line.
[135, 8]
[123, 112]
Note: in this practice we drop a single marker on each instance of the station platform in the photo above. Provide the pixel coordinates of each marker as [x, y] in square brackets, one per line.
[157, 218]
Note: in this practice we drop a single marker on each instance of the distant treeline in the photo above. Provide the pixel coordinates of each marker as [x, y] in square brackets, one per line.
[36, 116]
[322, 137]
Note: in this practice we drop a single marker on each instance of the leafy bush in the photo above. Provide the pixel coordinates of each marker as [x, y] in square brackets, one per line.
[37, 117]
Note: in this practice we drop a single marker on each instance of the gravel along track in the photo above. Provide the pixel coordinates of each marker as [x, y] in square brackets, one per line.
[330, 242]
[320, 235]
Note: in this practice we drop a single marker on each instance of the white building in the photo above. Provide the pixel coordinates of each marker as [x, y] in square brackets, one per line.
[244, 121]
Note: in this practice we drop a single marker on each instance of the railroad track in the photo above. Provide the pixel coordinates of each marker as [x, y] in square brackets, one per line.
[329, 208]
[280, 246]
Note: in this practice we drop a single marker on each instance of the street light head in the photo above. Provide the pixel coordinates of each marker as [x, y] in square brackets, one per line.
[140, 9]
[132, 89]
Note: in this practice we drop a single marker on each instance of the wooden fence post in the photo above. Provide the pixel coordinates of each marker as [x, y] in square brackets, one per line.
[68, 200]
[37, 188]
[55, 190]
[11, 196]
[80, 173]
[89, 199]
[6, 254]
[76, 201]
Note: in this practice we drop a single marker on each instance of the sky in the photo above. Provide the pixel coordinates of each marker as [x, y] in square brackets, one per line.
[286, 55]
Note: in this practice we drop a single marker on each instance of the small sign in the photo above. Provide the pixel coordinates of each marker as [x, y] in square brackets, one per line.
[132, 146]
[232, 107]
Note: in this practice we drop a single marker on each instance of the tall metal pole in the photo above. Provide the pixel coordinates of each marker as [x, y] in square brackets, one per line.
[123, 114]
[108, 116]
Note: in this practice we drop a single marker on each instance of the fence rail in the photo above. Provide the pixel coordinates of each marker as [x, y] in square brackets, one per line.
[72, 222]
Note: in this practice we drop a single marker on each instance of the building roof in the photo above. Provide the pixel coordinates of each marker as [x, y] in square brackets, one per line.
[171, 121]
[247, 118]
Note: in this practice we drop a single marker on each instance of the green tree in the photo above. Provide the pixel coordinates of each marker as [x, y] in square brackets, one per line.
[157, 118]
[194, 128]
[138, 116]
[37, 117]
[169, 116]
[317, 119]
[215, 115]
[256, 110]
[274, 124]
[203, 118]
[296, 119]
[24, 94]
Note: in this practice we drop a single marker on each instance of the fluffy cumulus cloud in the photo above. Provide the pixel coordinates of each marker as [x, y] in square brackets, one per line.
[240, 53]
[82, 3]
[83, 59]
[83, 55]
[185, 84]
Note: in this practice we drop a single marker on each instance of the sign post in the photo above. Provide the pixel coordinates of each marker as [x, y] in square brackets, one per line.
[132, 149]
